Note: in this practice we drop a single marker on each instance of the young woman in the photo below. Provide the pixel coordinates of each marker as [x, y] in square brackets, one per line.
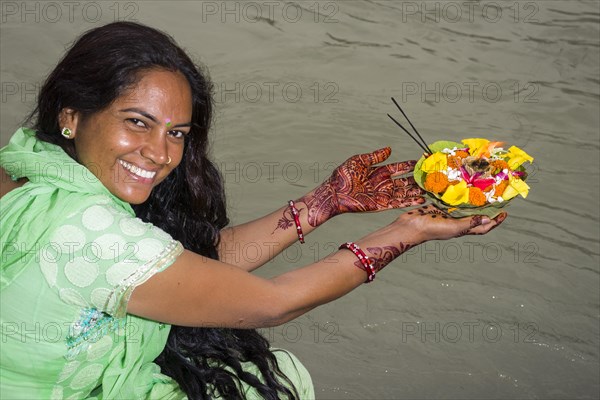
[118, 274]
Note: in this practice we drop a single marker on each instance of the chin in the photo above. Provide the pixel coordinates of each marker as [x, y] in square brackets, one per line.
[136, 202]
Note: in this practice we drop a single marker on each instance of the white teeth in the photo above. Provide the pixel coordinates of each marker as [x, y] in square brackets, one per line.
[137, 170]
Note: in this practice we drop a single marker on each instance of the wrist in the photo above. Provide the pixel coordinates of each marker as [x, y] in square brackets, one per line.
[410, 228]
[321, 204]
[388, 243]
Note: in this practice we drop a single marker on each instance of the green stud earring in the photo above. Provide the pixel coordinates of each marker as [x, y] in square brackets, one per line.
[66, 132]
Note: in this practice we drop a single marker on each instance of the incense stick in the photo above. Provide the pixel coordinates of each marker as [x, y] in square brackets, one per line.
[412, 126]
[426, 149]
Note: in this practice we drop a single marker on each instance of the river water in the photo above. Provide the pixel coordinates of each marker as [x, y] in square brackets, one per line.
[303, 85]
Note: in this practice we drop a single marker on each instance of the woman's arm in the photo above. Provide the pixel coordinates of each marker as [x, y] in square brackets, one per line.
[251, 245]
[196, 291]
[355, 186]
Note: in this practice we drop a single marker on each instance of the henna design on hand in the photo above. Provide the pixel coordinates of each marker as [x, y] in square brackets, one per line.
[287, 219]
[321, 204]
[499, 218]
[474, 221]
[357, 186]
[382, 256]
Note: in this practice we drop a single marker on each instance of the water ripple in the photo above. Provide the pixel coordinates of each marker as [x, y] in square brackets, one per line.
[566, 210]
[362, 19]
[356, 43]
[558, 242]
[580, 43]
[573, 13]
[476, 36]
[559, 227]
[578, 267]
[409, 57]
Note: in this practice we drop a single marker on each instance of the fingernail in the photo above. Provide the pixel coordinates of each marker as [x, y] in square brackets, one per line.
[485, 220]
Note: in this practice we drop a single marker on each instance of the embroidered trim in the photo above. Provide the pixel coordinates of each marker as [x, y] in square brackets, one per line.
[91, 326]
[121, 294]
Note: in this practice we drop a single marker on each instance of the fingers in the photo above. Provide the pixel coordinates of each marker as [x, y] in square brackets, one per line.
[485, 228]
[393, 170]
[406, 188]
[405, 193]
[401, 168]
[375, 157]
[406, 202]
[407, 183]
[430, 210]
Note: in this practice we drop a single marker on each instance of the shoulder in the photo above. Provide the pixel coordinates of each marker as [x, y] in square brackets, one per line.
[113, 229]
[103, 252]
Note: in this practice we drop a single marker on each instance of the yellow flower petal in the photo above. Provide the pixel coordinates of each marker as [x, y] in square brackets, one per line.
[515, 186]
[456, 194]
[435, 163]
[475, 144]
[516, 157]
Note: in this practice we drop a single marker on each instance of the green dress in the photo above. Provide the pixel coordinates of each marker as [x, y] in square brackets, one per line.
[71, 255]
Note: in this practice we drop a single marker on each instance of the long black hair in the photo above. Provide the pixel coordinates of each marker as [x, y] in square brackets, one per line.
[189, 204]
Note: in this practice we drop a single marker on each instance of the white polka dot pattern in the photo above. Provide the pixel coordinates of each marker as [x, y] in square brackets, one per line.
[99, 298]
[148, 249]
[100, 348]
[111, 246]
[81, 272]
[87, 376]
[69, 239]
[57, 393]
[121, 271]
[97, 218]
[68, 370]
[93, 262]
[133, 226]
[160, 234]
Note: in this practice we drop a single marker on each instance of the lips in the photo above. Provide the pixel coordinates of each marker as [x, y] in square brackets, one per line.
[137, 171]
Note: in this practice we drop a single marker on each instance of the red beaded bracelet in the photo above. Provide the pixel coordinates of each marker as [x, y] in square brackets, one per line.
[362, 257]
[296, 215]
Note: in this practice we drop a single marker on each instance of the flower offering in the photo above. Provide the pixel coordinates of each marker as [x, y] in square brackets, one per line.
[474, 176]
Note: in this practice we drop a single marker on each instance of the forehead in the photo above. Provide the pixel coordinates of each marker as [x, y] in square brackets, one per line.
[160, 92]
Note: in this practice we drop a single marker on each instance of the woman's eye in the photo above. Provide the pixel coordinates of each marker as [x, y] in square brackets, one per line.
[137, 122]
[177, 134]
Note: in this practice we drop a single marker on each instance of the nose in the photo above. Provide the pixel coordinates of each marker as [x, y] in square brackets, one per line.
[155, 148]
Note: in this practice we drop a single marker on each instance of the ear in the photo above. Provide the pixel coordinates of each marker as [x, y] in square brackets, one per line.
[69, 118]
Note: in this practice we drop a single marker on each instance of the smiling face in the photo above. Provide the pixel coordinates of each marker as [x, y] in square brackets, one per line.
[134, 143]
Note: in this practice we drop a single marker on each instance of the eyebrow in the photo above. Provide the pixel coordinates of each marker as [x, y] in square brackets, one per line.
[152, 117]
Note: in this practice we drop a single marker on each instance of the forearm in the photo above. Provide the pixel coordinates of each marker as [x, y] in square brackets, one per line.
[252, 244]
[196, 291]
[338, 274]
[341, 272]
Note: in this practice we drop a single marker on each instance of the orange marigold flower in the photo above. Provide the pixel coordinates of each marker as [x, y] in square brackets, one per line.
[476, 196]
[436, 182]
[454, 162]
[461, 154]
[499, 165]
[500, 188]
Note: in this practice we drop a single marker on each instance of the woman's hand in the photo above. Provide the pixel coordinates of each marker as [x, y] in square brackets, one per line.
[431, 223]
[420, 225]
[358, 186]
